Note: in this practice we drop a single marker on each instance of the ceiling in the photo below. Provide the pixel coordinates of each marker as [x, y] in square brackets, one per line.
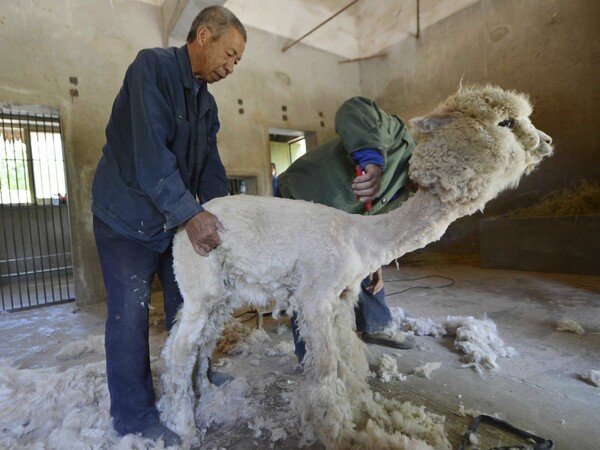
[364, 29]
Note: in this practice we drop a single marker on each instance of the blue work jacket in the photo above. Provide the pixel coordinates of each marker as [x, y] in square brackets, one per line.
[160, 160]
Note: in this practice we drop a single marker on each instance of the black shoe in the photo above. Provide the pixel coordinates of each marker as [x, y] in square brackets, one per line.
[218, 378]
[160, 432]
[399, 340]
[215, 377]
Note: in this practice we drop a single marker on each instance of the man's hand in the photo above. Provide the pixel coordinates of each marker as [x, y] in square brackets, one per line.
[202, 231]
[376, 282]
[366, 186]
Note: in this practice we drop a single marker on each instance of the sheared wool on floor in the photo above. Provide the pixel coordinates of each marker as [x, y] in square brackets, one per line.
[427, 369]
[48, 408]
[479, 341]
[419, 326]
[569, 325]
[592, 377]
[56, 408]
[388, 369]
[73, 350]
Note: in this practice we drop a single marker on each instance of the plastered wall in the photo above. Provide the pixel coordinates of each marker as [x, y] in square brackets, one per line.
[549, 49]
[45, 42]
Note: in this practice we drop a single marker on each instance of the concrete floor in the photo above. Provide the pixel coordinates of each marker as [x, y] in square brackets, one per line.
[539, 390]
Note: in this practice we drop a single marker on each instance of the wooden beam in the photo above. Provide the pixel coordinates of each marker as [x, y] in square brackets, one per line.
[320, 25]
[418, 18]
[378, 55]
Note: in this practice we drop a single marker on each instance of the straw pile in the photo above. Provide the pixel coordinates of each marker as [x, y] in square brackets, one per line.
[578, 199]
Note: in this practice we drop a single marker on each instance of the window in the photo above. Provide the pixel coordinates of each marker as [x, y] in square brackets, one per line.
[31, 160]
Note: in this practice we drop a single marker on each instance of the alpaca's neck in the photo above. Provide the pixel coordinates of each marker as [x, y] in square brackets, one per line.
[420, 220]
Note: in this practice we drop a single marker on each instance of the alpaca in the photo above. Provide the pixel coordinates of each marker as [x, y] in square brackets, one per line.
[477, 143]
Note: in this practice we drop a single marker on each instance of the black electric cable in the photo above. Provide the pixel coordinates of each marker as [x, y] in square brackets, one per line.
[452, 281]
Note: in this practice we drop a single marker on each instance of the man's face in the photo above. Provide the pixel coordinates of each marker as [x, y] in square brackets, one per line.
[215, 59]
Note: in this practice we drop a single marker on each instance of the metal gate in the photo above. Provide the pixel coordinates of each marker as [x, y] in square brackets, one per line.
[35, 237]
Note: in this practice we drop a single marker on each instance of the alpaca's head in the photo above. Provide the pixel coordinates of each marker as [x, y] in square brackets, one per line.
[476, 144]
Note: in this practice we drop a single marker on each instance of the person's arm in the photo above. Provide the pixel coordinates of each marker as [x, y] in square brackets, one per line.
[360, 124]
[366, 186]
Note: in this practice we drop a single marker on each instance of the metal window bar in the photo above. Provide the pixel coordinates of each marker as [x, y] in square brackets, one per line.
[35, 242]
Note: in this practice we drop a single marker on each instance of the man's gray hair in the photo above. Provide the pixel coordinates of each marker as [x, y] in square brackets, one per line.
[218, 20]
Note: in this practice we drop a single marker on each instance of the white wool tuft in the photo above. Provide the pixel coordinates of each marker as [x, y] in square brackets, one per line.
[569, 325]
[479, 341]
[592, 377]
[418, 326]
[426, 369]
[388, 369]
[226, 404]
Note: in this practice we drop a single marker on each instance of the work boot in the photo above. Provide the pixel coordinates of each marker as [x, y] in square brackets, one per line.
[218, 378]
[396, 340]
[160, 432]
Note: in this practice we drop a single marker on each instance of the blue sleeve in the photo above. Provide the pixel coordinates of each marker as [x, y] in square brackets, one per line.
[213, 180]
[367, 156]
[153, 125]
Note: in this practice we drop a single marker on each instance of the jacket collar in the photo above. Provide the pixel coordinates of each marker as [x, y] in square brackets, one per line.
[185, 66]
[187, 78]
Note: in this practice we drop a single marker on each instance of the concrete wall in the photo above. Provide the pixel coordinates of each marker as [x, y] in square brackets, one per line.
[547, 48]
[46, 42]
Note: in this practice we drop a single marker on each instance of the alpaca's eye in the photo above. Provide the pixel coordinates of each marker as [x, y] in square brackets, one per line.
[508, 123]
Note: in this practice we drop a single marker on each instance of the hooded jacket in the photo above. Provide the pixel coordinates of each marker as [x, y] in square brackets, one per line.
[324, 175]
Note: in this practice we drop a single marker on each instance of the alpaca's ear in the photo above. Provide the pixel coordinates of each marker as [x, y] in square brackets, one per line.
[430, 123]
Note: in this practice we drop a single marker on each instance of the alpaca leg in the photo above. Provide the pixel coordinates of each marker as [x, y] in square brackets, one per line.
[323, 399]
[177, 402]
[190, 346]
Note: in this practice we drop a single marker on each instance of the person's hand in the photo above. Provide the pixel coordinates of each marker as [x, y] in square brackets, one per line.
[202, 231]
[366, 186]
[376, 281]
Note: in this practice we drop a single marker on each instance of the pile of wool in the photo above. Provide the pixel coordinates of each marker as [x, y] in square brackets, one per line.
[479, 341]
[388, 369]
[417, 325]
[50, 408]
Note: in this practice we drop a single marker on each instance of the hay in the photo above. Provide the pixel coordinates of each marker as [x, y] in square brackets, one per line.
[581, 198]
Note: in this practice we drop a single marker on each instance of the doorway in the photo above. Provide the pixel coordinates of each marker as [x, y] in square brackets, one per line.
[286, 146]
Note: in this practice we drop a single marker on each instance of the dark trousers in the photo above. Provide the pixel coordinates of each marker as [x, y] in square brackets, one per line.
[371, 311]
[128, 268]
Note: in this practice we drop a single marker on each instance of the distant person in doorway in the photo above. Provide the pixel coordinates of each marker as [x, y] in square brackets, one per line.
[159, 165]
[362, 171]
[274, 175]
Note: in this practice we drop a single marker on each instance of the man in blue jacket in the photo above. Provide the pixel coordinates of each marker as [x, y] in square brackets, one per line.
[159, 165]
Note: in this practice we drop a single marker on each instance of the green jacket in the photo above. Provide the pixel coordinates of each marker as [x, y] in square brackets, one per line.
[324, 175]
